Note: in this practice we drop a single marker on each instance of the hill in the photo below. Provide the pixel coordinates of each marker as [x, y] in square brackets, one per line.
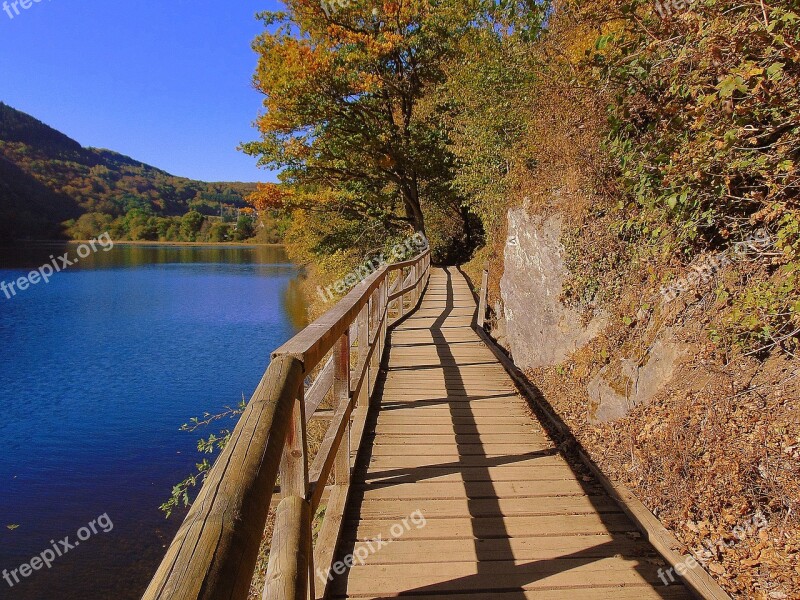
[52, 187]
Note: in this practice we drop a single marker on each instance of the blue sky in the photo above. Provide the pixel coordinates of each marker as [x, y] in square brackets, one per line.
[167, 82]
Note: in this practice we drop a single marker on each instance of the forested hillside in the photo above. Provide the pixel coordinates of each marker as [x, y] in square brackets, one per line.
[638, 162]
[51, 187]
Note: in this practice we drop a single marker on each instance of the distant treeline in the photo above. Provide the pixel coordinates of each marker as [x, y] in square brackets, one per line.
[52, 187]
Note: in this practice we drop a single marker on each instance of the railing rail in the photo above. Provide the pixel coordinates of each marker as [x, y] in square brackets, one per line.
[214, 553]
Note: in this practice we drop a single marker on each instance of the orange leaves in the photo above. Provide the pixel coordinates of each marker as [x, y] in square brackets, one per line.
[269, 196]
[368, 84]
[274, 119]
[296, 148]
[287, 63]
[371, 43]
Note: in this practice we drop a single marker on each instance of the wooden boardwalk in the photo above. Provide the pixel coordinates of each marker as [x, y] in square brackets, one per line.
[491, 508]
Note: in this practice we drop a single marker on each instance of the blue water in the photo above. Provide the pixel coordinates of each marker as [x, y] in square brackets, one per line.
[99, 369]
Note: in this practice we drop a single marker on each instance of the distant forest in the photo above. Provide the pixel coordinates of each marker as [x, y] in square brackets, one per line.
[53, 188]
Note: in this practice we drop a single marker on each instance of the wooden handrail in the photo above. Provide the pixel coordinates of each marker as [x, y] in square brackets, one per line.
[217, 545]
[215, 551]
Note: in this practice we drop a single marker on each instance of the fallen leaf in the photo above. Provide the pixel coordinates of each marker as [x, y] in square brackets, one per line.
[716, 568]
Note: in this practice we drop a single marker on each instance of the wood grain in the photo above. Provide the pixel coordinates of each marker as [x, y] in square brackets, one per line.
[505, 515]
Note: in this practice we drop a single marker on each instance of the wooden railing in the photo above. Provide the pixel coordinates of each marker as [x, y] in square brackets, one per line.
[214, 553]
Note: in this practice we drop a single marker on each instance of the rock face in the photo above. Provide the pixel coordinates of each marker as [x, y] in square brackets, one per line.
[638, 382]
[540, 330]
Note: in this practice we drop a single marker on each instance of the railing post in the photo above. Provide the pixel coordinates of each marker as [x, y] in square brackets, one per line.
[376, 304]
[422, 275]
[385, 331]
[364, 362]
[483, 297]
[402, 298]
[341, 394]
[294, 460]
[416, 283]
[294, 491]
[291, 557]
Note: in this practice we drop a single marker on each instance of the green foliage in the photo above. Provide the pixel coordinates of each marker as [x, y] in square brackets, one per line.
[485, 95]
[191, 224]
[219, 232]
[353, 118]
[705, 129]
[88, 225]
[180, 495]
[767, 314]
[245, 228]
[705, 125]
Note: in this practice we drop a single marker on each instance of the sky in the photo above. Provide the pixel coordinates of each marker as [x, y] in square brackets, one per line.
[167, 82]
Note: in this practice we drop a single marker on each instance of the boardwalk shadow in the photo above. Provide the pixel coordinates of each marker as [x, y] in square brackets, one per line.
[497, 572]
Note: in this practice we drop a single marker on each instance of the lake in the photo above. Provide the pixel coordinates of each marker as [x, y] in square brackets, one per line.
[100, 367]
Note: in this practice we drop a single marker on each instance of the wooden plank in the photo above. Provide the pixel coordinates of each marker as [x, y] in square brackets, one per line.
[638, 592]
[326, 455]
[570, 573]
[424, 410]
[319, 389]
[328, 539]
[421, 399]
[427, 490]
[470, 391]
[453, 473]
[467, 528]
[487, 507]
[494, 419]
[407, 552]
[437, 406]
[453, 451]
[433, 429]
[359, 422]
[503, 461]
[447, 439]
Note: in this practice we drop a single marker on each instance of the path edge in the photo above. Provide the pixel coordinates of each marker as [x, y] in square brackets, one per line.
[697, 580]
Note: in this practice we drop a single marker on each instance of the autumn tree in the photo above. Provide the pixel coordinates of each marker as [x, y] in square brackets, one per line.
[344, 118]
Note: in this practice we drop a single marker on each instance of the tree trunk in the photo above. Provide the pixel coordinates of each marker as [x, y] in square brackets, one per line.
[413, 207]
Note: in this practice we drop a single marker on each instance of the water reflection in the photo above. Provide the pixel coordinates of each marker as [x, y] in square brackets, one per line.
[99, 369]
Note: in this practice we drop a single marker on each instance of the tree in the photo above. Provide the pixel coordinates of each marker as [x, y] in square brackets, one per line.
[89, 226]
[245, 228]
[219, 232]
[191, 223]
[344, 115]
